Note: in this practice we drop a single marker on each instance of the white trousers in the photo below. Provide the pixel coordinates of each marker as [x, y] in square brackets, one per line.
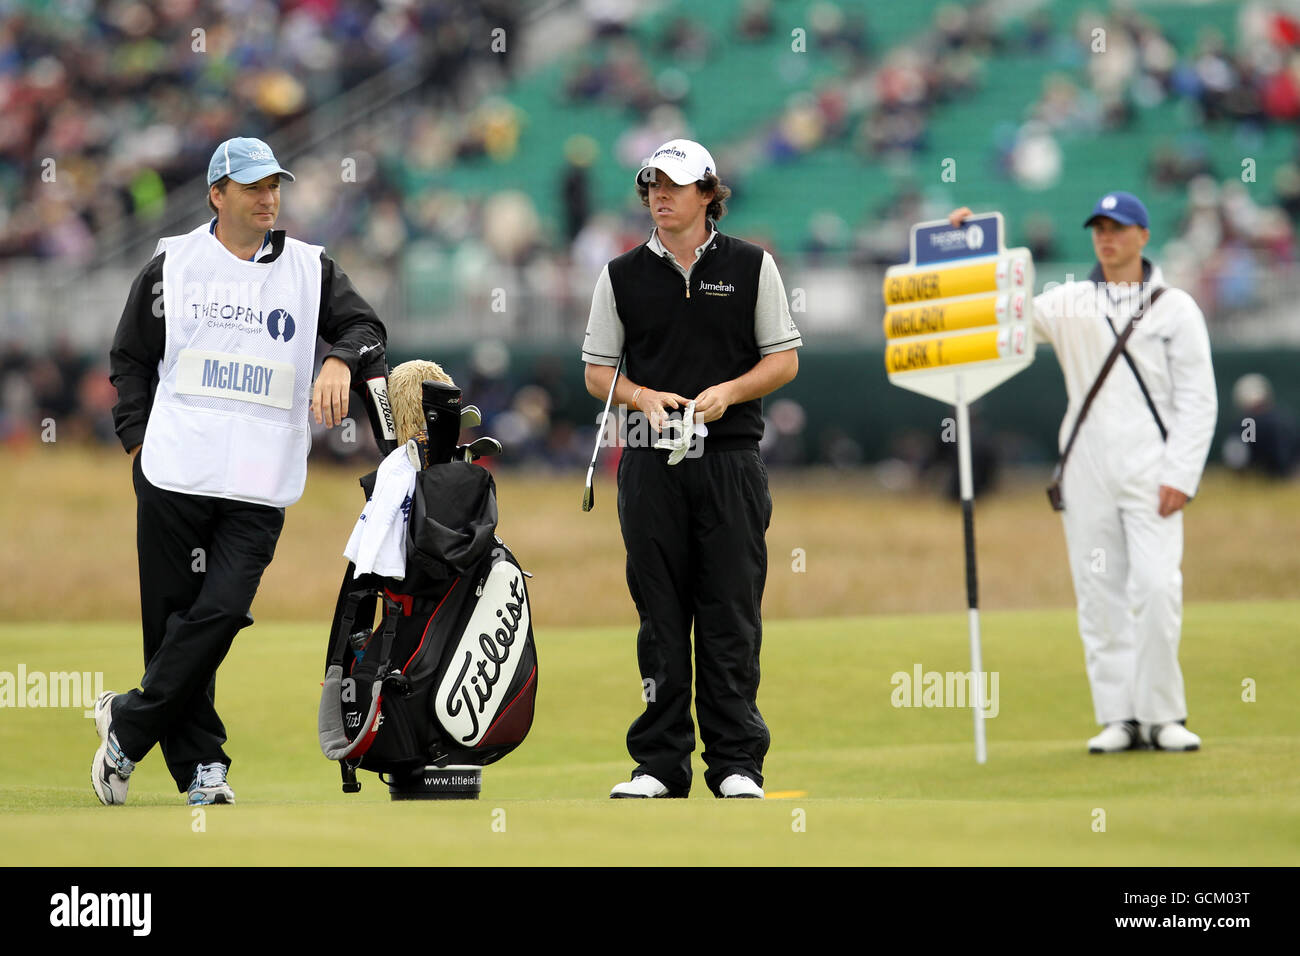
[1126, 563]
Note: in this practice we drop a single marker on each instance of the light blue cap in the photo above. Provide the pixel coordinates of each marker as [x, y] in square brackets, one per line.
[245, 160]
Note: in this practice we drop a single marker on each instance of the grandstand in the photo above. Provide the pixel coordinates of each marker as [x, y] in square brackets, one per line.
[482, 166]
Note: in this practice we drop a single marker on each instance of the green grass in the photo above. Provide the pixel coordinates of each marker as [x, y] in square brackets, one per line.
[872, 784]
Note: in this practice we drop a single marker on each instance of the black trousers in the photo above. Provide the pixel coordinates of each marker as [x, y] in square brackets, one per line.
[201, 560]
[697, 555]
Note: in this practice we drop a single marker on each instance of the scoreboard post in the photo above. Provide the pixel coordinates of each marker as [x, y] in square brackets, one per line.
[958, 324]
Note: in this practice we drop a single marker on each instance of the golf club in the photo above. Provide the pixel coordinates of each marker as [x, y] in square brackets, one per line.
[589, 495]
[480, 448]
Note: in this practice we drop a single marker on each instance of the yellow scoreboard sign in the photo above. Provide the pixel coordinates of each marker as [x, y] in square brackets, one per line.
[910, 284]
[968, 313]
[940, 351]
[962, 307]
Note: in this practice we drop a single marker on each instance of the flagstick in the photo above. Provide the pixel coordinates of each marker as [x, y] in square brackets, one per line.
[972, 585]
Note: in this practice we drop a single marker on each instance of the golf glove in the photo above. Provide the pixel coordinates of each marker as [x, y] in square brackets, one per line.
[679, 444]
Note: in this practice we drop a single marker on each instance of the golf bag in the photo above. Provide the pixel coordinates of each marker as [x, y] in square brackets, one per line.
[447, 674]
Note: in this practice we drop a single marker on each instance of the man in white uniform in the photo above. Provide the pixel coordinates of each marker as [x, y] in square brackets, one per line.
[1136, 461]
[213, 362]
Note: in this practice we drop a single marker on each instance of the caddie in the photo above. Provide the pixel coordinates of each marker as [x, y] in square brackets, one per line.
[213, 361]
[1135, 461]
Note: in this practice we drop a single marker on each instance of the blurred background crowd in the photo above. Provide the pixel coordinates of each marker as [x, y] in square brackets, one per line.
[470, 163]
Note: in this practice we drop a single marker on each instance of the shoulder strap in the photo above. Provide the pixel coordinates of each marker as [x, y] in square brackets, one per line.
[1164, 432]
[1121, 339]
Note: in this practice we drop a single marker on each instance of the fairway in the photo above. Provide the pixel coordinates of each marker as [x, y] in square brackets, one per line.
[839, 544]
[855, 779]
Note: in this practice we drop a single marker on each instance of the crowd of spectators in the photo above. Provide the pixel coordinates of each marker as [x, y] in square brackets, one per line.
[66, 397]
[59, 395]
[1115, 68]
[1239, 224]
[127, 106]
[1121, 63]
[1228, 245]
[105, 108]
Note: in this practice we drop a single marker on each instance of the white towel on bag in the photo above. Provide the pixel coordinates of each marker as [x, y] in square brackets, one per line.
[378, 541]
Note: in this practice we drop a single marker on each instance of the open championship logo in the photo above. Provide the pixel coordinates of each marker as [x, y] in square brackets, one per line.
[280, 324]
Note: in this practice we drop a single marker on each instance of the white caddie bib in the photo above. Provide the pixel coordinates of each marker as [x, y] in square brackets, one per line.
[230, 415]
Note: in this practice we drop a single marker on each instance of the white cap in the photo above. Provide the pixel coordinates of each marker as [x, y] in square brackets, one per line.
[682, 160]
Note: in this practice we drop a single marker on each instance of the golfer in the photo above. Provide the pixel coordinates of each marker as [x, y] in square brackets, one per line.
[701, 318]
[213, 362]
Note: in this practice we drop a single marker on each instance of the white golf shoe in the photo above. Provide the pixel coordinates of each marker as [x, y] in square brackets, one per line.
[111, 769]
[1116, 736]
[642, 786]
[209, 786]
[738, 785]
[1170, 737]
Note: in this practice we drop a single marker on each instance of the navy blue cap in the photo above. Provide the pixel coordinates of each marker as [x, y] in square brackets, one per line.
[245, 160]
[1125, 208]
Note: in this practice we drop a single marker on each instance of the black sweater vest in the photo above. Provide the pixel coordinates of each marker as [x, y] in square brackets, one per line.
[684, 339]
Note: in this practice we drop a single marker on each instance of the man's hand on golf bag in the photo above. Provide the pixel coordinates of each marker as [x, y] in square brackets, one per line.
[329, 397]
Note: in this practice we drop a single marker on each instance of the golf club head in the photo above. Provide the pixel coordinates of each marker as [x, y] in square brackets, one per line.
[479, 448]
[470, 417]
[588, 494]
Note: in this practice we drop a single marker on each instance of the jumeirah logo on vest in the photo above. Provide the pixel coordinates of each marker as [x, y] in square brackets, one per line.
[716, 288]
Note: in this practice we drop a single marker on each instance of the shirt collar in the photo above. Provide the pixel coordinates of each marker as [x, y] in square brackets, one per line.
[1124, 296]
[659, 249]
[264, 247]
[1149, 272]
